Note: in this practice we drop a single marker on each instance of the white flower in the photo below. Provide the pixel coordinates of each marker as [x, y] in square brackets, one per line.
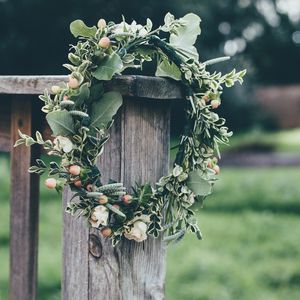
[138, 231]
[63, 143]
[130, 28]
[144, 218]
[99, 216]
[120, 28]
[142, 31]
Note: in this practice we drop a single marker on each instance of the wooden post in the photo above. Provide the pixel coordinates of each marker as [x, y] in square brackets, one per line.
[137, 152]
[24, 205]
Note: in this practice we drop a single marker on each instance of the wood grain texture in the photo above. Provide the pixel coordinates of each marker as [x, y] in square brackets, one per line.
[24, 206]
[75, 255]
[130, 85]
[137, 152]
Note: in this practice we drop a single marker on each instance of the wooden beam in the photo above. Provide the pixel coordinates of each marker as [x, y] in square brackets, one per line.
[24, 205]
[130, 85]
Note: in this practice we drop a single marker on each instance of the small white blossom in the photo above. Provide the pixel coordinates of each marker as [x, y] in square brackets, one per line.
[120, 28]
[63, 143]
[138, 231]
[99, 216]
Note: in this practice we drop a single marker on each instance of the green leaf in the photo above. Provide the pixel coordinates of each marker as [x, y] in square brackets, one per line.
[145, 194]
[96, 92]
[61, 123]
[104, 109]
[110, 65]
[19, 142]
[168, 69]
[198, 185]
[177, 171]
[78, 28]
[185, 35]
[83, 94]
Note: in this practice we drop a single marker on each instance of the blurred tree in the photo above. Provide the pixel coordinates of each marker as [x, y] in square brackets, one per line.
[35, 34]
[262, 35]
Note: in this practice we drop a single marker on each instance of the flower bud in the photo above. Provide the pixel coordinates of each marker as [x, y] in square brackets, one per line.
[78, 183]
[101, 24]
[74, 170]
[50, 183]
[215, 104]
[55, 89]
[106, 232]
[104, 42]
[73, 82]
[103, 199]
[127, 199]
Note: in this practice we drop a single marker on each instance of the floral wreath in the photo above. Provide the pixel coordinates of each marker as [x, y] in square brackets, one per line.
[81, 112]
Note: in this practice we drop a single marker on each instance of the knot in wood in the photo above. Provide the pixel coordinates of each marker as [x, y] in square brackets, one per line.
[95, 246]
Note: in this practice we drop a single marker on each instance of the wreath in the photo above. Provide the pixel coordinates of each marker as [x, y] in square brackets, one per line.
[80, 114]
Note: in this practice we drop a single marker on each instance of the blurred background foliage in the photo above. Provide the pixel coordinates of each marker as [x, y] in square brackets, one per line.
[261, 35]
[250, 224]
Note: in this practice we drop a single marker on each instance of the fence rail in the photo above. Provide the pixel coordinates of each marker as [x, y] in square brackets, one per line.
[143, 157]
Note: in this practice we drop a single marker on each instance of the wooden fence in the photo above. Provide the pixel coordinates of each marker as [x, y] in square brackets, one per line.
[137, 151]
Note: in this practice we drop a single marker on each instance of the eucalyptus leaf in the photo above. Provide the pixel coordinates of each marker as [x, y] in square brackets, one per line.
[168, 69]
[78, 28]
[198, 185]
[105, 108]
[61, 123]
[96, 92]
[83, 94]
[110, 65]
[184, 37]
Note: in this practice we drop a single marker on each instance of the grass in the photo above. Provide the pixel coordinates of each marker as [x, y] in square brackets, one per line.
[284, 141]
[250, 250]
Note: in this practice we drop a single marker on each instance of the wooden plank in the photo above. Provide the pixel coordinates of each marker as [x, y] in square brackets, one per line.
[75, 255]
[24, 205]
[146, 159]
[104, 270]
[5, 123]
[130, 85]
[137, 151]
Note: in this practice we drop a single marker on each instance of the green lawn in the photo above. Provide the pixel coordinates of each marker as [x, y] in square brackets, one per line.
[251, 248]
[284, 141]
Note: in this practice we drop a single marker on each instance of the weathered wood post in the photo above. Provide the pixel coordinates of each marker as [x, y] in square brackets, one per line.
[138, 151]
[24, 206]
